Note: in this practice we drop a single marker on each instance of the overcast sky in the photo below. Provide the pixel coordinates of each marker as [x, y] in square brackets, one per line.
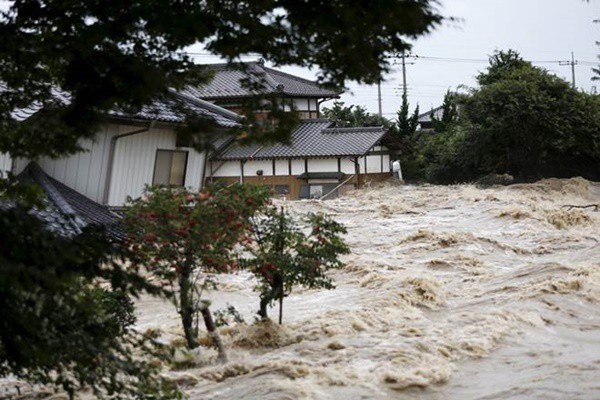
[541, 30]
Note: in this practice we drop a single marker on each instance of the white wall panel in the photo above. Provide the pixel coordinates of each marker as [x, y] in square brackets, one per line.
[5, 164]
[322, 165]
[224, 169]
[297, 166]
[282, 167]
[373, 164]
[85, 171]
[347, 166]
[251, 167]
[386, 163]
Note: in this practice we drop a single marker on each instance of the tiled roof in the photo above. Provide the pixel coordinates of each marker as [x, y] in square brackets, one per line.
[227, 83]
[312, 138]
[68, 211]
[166, 110]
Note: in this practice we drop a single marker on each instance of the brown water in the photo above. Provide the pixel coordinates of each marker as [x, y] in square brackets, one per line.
[449, 293]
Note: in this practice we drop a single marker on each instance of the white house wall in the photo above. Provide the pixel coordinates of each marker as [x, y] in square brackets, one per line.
[251, 167]
[134, 160]
[373, 164]
[322, 165]
[5, 164]
[224, 168]
[297, 167]
[282, 167]
[347, 166]
[85, 171]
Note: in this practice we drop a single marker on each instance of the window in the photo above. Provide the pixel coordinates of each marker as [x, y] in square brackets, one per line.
[169, 168]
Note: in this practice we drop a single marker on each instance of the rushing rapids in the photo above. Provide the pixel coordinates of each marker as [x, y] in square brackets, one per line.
[450, 292]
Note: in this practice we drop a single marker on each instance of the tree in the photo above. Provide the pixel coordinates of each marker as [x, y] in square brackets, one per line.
[353, 116]
[449, 113]
[80, 59]
[74, 61]
[502, 63]
[283, 256]
[180, 235]
[407, 125]
[523, 121]
[58, 325]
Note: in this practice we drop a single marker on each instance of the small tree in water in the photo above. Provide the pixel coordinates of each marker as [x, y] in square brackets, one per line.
[178, 234]
[282, 256]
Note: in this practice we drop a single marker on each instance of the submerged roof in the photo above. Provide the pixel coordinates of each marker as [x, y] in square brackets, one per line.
[67, 211]
[253, 78]
[311, 138]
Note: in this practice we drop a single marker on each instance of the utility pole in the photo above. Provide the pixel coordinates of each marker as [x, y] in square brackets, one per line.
[403, 74]
[379, 97]
[572, 63]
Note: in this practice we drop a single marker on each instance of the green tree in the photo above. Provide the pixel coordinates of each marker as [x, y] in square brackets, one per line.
[103, 56]
[407, 123]
[180, 235]
[76, 60]
[502, 63]
[283, 256]
[449, 113]
[352, 115]
[523, 121]
[58, 325]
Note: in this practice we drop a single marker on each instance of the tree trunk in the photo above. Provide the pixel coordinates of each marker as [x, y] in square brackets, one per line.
[276, 293]
[212, 331]
[187, 308]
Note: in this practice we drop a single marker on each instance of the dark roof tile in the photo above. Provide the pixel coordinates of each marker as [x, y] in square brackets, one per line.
[312, 138]
[228, 80]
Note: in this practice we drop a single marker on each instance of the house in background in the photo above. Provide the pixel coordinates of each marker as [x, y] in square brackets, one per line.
[426, 121]
[321, 160]
[131, 151]
[232, 86]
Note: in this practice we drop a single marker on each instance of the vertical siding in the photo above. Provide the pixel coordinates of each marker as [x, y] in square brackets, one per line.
[85, 171]
[5, 164]
[134, 159]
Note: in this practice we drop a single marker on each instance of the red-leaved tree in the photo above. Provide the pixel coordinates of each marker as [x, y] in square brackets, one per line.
[179, 235]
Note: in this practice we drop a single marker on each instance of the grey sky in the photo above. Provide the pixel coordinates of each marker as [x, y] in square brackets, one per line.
[541, 30]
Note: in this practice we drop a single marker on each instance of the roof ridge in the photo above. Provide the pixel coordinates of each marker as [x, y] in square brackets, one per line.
[210, 106]
[354, 128]
[48, 186]
[297, 78]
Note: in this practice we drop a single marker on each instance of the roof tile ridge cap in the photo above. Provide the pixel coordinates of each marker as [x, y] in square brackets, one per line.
[229, 65]
[56, 197]
[262, 70]
[297, 78]
[212, 107]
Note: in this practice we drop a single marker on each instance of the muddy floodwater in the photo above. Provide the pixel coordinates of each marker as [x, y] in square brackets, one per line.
[451, 292]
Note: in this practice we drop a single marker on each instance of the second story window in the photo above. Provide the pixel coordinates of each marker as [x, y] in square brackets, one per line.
[169, 167]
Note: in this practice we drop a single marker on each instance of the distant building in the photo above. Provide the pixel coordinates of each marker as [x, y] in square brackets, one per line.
[425, 120]
[320, 160]
[231, 86]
